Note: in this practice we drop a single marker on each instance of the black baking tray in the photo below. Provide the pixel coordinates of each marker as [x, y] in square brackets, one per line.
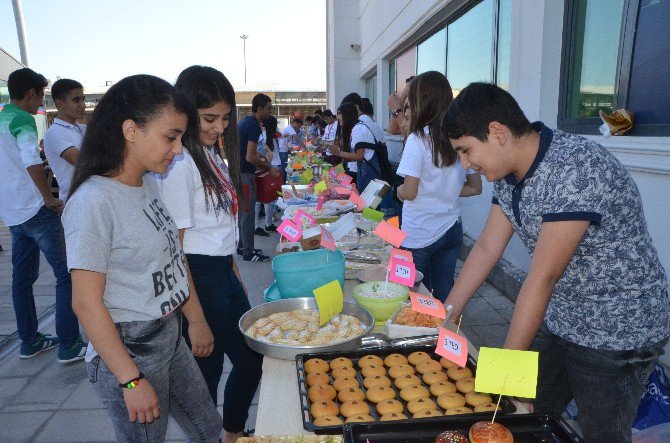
[506, 405]
[530, 428]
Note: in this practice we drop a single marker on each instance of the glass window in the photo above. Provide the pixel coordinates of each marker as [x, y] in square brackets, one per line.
[371, 89]
[405, 67]
[431, 55]
[470, 46]
[392, 76]
[504, 43]
[4, 92]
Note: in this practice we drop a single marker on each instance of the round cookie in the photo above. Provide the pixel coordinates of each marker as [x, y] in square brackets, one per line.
[427, 366]
[419, 404]
[316, 365]
[354, 407]
[373, 369]
[321, 392]
[428, 413]
[442, 387]
[459, 410]
[340, 362]
[326, 407]
[400, 370]
[474, 399]
[380, 393]
[486, 407]
[389, 406]
[407, 380]
[411, 392]
[431, 377]
[328, 420]
[344, 371]
[446, 364]
[317, 378]
[395, 360]
[451, 400]
[456, 373]
[416, 357]
[360, 418]
[466, 385]
[370, 359]
[393, 416]
[376, 380]
[349, 394]
[345, 382]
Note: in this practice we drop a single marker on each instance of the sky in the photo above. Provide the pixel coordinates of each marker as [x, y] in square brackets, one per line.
[94, 41]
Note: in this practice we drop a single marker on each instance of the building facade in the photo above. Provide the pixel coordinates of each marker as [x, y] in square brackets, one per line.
[563, 60]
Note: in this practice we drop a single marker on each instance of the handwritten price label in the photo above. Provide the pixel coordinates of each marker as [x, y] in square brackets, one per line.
[426, 304]
[343, 191]
[390, 234]
[357, 200]
[290, 230]
[453, 347]
[345, 179]
[332, 173]
[327, 239]
[321, 186]
[401, 254]
[402, 272]
[303, 219]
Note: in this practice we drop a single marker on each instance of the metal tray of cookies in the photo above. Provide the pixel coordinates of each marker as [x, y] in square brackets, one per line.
[506, 405]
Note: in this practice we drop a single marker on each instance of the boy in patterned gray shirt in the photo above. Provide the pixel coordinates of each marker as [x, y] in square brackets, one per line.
[595, 301]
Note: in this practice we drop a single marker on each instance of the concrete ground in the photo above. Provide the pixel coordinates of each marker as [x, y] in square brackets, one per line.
[44, 401]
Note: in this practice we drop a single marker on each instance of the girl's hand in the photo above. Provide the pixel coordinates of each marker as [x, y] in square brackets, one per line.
[142, 402]
[202, 340]
[335, 149]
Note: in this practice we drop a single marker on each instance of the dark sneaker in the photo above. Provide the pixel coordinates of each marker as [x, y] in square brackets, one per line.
[271, 228]
[256, 257]
[74, 353]
[44, 342]
[261, 233]
[240, 251]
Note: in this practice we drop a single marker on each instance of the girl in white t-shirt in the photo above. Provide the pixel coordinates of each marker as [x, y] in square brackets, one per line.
[434, 179]
[201, 193]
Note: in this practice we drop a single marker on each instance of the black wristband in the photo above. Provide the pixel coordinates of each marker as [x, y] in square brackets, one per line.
[130, 384]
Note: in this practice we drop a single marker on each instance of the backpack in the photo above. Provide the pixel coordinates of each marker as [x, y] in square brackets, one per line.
[387, 173]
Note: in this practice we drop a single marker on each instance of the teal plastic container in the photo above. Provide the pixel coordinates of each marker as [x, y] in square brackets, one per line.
[297, 274]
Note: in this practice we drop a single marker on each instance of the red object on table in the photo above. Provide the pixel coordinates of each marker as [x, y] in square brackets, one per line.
[267, 186]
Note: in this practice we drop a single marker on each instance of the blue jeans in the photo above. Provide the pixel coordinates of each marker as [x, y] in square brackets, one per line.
[43, 232]
[366, 173]
[283, 157]
[437, 262]
[606, 385]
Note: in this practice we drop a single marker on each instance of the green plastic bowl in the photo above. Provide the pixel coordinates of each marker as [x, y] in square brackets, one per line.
[380, 308]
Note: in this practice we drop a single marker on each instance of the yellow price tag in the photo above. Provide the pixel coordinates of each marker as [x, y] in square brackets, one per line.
[306, 176]
[321, 186]
[330, 301]
[507, 372]
[339, 168]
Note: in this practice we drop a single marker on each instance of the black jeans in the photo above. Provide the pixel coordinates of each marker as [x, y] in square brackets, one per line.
[224, 301]
[606, 385]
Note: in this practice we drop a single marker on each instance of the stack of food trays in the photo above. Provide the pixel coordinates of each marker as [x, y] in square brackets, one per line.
[386, 385]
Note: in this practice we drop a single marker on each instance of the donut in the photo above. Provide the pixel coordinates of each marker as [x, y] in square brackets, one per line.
[350, 394]
[316, 365]
[485, 431]
[431, 377]
[446, 364]
[373, 369]
[416, 357]
[389, 406]
[376, 380]
[427, 413]
[442, 387]
[379, 393]
[326, 407]
[317, 378]
[395, 360]
[354, 407]
[427, 366]
[474, 399]
[340, 362]
[451, 437]
[466, 385]
[321, 392]
[457, 411]
[344, 371]
[393, 416]
[407, 380]
[328, 420]
[419, 404]
[411, 392]
[360, 418]
[486, 407]
[399, 370]
[456, 373]
[451, 400]
[370, 359]
[344, 383]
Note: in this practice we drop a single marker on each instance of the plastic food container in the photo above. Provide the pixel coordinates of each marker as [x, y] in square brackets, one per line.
[381, 308]
[299, 273]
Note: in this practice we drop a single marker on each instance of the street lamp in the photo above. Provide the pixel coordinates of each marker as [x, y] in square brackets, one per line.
[244, 38]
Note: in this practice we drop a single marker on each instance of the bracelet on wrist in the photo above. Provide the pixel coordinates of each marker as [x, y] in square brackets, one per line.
[130, 384]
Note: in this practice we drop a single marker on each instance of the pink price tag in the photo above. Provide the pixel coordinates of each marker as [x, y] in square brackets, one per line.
[401, 254]
[452, 346]
[357, 200]
[426, 304]
[402, 272]
[290, 230]
[302, 217]
[343, 191]
[333, 173]
[345, 179]
[327, 239]
[390, 234]
[319, 202]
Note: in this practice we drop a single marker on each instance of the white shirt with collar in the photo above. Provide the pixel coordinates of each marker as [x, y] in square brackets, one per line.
[60, 136]
[361, 133]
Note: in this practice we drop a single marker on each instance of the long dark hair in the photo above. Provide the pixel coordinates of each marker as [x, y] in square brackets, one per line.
[270, 125]
[139, 98]
[429, 97]
[349, 120]
[204, 87]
